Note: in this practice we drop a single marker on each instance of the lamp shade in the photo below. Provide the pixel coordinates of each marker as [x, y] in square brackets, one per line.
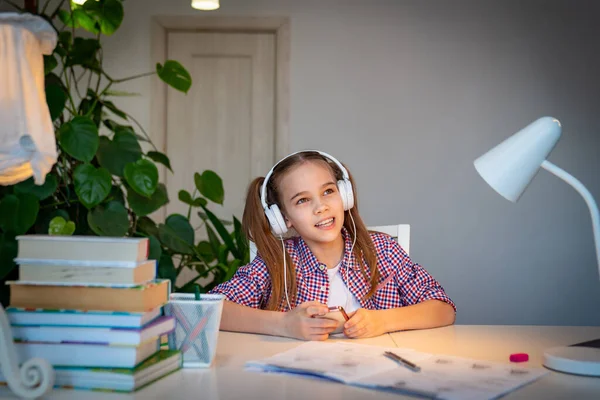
[205, 5]
[510, 166]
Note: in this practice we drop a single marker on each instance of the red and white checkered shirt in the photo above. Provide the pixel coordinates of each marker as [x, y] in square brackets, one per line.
[402, 282]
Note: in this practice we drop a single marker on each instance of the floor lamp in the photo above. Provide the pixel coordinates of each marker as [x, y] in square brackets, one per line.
[508, 168]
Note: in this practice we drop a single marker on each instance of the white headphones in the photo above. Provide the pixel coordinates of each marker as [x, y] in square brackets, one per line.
[276, 220]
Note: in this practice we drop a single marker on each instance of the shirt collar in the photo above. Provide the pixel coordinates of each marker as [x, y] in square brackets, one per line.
[309, 261]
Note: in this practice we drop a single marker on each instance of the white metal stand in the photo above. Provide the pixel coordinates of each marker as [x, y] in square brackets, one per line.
[580, 360]
[35, 377]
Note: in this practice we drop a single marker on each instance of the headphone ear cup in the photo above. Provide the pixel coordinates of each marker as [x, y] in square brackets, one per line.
[276, 220]
[345, 189]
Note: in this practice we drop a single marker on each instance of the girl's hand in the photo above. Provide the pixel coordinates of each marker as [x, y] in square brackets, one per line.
[300, 323]
[363, 324]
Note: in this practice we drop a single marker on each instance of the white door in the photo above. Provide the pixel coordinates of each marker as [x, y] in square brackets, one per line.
[226, 122]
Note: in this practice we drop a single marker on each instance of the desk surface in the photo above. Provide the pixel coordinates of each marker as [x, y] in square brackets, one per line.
[227, 379]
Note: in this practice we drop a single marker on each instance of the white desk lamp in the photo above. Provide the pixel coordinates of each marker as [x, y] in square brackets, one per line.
[508, 168]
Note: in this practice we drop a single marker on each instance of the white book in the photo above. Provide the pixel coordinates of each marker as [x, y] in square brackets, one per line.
[83, 248]
[110, 336]
[88, 355]
[79, 272]
[108, 319]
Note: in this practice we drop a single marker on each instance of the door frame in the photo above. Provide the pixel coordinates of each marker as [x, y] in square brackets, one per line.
[161, 26]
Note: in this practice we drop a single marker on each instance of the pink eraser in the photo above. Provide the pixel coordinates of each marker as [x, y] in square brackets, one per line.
[519, 357]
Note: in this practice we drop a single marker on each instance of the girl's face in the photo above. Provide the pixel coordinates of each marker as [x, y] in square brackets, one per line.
[311, 202]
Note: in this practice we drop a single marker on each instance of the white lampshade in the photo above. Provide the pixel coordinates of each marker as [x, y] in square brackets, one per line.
[205, 5]
[510, 166]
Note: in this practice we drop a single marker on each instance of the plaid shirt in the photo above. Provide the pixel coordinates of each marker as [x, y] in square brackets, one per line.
[402, 282]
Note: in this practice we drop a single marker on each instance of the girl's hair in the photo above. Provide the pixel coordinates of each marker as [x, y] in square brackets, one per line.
[257, 229]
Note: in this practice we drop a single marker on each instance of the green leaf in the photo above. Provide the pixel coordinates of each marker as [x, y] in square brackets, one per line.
[123, 149]
[116, 194]
[241, 240]
[222, 232]
[142, 176]
[64, 39]
[79, 138]
[222, 255]
[42, 223]
[161, 158]
[210, 185]
[56, 95]
[18, 212]
[166, 269]
[205, 251]
[56, 98]
[58, 226]
[199, 202]
[213, 239]
[155, 248]
[111, 106]
[85, 53]
[175, 75]
[185, 197]
[65, 17]
[177, 234]
[109, 220]
[147, 226]
[142, 205]
[42, 191]
[91, 185]
[49, 63]
[91, 109]
[84, 20]
[204, 216]
[8, 252]
[107, 14]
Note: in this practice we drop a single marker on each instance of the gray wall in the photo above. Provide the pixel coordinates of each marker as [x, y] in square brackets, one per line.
[408, 94]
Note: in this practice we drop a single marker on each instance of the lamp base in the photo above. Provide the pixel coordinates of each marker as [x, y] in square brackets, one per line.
[578, 359]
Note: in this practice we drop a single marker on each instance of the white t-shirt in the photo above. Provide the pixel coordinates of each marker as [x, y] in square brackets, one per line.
[339, 295]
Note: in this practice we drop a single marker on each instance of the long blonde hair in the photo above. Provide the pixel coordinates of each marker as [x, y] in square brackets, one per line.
[257, 229]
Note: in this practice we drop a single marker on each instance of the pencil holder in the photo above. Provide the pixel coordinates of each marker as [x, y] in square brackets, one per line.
[197, 327]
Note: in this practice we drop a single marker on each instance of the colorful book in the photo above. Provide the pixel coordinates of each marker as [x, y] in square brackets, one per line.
[145, 297]
[88, 355]
[113, 336]
[83, 272]
[100, 319]
[157, 366]
[90, 248]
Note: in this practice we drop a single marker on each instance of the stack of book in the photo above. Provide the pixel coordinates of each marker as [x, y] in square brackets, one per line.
[92, 307]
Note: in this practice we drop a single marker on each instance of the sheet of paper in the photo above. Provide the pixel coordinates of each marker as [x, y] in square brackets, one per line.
[444, 377]
[342, 361]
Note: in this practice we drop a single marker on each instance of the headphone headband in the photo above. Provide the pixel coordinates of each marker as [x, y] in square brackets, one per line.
[263, 190]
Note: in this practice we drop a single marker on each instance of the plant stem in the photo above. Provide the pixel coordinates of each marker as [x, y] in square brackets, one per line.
[133, 77]
[14, 5]
[57, 9]
[143, 131]
[45, 6]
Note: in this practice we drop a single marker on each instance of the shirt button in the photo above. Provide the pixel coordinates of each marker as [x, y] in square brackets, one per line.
[323, 288]
[321, 267]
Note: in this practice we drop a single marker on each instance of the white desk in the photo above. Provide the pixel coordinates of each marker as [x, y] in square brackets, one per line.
[226, 379]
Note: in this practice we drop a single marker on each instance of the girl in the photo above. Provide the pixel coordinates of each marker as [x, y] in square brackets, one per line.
[332, 261]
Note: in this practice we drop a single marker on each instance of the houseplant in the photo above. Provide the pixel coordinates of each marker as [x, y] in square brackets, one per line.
[104, 183]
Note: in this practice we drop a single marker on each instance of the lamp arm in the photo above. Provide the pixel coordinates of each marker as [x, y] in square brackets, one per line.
[587, 196]
[35, 377]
